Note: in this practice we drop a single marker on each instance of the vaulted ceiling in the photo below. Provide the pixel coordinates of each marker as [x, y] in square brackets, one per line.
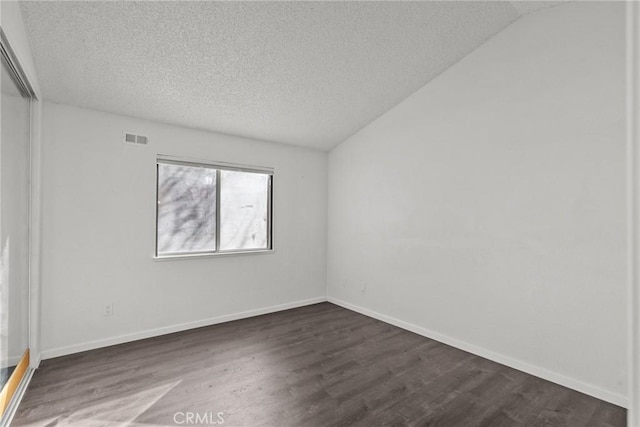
[303, 73]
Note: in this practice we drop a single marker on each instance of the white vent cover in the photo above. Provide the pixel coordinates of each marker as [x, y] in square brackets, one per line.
[131, 138]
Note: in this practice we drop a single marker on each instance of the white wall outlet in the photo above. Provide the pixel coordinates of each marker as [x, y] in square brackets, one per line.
[363, 287]
[108, 309]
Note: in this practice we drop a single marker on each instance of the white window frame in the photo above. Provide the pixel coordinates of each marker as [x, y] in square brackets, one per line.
[218, 166]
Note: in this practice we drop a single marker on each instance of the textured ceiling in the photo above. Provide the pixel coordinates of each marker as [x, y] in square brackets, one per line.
[303, 73]
[526, 7]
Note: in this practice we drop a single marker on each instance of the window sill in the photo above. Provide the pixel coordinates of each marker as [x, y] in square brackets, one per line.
[212, 255]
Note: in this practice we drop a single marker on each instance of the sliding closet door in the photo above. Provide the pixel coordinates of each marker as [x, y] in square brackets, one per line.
[14, 227]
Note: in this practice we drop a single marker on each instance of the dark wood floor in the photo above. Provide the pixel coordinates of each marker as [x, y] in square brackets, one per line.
[319, 365]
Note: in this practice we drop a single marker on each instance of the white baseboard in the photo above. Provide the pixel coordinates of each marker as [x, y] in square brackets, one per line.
[595, 391]
[91, 345]
[34, 359]
[582, 387]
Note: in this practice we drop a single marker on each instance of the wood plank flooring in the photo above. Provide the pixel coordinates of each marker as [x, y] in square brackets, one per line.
[319, 365]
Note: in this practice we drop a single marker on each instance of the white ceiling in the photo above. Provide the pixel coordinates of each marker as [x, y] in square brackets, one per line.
[303, 73]
[526, 7]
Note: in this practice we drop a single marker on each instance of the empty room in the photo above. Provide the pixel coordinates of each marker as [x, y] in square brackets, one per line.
[301, 213]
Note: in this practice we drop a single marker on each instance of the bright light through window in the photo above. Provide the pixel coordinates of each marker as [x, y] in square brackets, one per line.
[209, 209]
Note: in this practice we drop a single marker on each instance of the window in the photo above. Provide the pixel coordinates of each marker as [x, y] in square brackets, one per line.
[208, 208]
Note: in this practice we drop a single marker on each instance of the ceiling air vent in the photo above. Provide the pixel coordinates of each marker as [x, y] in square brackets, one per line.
[131, 138]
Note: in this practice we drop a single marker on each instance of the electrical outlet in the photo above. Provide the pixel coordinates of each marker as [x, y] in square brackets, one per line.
[108, 309]
[363, 287]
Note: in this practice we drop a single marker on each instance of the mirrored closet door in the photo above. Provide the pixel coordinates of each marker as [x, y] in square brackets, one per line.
[14, 229]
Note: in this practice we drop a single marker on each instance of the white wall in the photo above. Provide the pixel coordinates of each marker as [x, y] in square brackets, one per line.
[99, 225]
[488, 209]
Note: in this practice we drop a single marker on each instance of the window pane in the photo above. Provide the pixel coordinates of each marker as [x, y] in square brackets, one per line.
[186, 209]
[243, 209]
